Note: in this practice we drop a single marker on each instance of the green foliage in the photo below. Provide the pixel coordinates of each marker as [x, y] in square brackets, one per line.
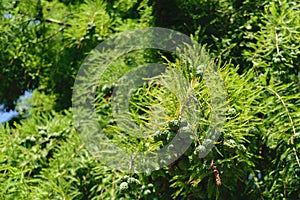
[44, 42]
[255, 45]
[276, 46]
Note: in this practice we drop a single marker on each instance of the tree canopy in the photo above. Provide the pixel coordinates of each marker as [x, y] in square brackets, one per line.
[255, 47]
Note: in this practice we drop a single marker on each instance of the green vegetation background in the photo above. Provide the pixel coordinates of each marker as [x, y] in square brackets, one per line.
[256, 45]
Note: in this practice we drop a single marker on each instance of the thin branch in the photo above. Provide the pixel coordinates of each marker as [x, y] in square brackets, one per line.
[277, 43]
[51, 36]
[213, 168]
[291, 120]
[50, 20]
[57, 22]
[222, 52]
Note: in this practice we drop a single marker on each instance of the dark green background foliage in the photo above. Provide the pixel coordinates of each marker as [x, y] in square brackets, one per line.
[256, 47]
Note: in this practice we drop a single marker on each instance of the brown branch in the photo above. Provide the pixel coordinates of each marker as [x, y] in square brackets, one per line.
[216, 173]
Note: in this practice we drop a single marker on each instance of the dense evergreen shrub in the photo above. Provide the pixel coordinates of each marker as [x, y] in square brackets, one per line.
[255, 47]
